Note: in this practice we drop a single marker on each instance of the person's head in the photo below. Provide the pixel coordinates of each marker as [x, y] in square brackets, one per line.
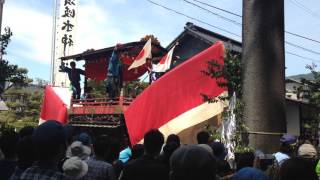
[137, 151]
[8, 143]
[173, 138]
[218, 150]
[296, 169]
[70, 132]
[307, 151]
[250, 173]
[26, 131]
[25, 151]
[287, 143]
[245, 160]
[50, 141]
[153, 141]
[113, 149]
[169, 148]
[85, 139]
[100, 146]
[79, 150]
[203, 137]
[192, 162]
[73, 65]
[75, 167]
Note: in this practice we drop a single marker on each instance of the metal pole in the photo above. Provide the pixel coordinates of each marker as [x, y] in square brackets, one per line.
[53, 43]
[1, 12]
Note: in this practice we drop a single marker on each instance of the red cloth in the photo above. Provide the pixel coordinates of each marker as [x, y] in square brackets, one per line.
[53, 107]
[96, 69]
[173, 94]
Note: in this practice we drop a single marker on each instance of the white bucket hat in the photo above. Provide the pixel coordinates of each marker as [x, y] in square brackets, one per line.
[79, 150]
[75, 167]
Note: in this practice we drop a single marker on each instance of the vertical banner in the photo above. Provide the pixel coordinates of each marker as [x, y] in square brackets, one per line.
[64, 36]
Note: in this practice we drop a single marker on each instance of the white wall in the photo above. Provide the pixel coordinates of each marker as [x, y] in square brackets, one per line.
[293, 118]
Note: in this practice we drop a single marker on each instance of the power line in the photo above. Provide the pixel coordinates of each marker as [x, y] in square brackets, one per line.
[218, 8]
[297, 46]
[305, 8]
[303, 57]
[238, 15]
[177, 12]
[302, 37]
[198, 20]
[218, 15]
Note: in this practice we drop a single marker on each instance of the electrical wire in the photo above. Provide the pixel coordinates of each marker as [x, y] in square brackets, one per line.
[289, 43]
[196, 19]
[229, 12]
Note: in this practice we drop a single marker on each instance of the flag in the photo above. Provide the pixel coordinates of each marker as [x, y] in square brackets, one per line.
[228, 130]
[165, 62]
[174, 102]
[142, 56]
[55, 104]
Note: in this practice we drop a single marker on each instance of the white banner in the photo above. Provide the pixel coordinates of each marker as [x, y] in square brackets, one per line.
[64, 36]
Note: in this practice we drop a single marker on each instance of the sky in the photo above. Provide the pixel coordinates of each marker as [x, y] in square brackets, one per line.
[102, 24]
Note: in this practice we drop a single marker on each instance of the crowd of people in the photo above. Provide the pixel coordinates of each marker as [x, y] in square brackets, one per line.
[53, 151]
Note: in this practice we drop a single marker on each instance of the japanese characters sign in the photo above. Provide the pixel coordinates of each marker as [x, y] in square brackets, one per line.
[67, 19]
[65, 23]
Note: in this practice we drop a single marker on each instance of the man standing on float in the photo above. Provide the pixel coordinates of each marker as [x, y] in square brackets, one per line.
[114, 74]
[74, 77]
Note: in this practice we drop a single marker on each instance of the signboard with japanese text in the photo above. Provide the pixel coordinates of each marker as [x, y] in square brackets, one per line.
[64, 37]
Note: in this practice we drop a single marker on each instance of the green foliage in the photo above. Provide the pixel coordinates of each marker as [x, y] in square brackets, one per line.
[24, 107]
[98, 88]
[229, 76]
[8, 72]
[213, 131]
[310, 90]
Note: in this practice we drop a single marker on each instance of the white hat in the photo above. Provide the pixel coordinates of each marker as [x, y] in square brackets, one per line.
[79, 150]
[75, 167]
[307, 151]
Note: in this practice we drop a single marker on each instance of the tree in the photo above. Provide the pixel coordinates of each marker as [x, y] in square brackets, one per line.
[310, 90]
[154, 39]
[24, 106]
[230, 76]
[10, 74]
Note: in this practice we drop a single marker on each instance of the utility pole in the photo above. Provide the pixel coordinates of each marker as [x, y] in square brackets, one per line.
[264, 72]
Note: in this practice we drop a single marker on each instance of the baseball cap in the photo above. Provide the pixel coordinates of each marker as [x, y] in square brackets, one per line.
[288, 139]
[85, 139]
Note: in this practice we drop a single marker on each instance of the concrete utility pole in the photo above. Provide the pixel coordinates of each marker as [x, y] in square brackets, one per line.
[264, 72]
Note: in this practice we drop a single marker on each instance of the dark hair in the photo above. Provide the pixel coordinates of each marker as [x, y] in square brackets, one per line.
[137, 151]
[218, 150]
[203, 137]
[286, 148]
[8, 143]
[25, 152]
[244, 160]
[297, 168]
[100, 146]
[192, 162]
[26, 131]
[72, 63]
[113, 149]
[173, 138]
[153, 141]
